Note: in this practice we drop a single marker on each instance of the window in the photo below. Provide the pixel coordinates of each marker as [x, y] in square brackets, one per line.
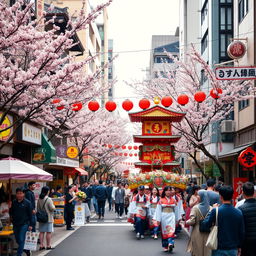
[243, 8]
[204, 42]
[204, 12]
[162, 59]
[226, 18]
[243, 104]
[224, 42]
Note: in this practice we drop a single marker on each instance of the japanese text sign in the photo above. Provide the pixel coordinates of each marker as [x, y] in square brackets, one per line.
[235, 73]
[238, 186]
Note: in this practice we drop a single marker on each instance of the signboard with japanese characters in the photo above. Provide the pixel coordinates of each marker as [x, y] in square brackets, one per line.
[236, 50]
[236, 73]
[238, 187]
[79, 215]
[247, 158]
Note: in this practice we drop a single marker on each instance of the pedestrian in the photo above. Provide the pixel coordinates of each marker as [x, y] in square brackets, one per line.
[58, 193]
[194, 199]
[30, 196]
[127, 198]
[113, 196]
[101, 196]
[165, 216]
[242, 200]
[119, 200]
[21, 218]
[154, 199]
[4, 210]
[45, 203]
[197, 241]
[109, 191]
[138, 210]
[95, 184]
[230, 224]
[69, 207]
[248, 210]
[214, 197]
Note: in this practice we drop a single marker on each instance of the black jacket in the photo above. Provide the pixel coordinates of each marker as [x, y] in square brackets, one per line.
[101, 193]
[249, 213]
[31, 198]
[21, 213]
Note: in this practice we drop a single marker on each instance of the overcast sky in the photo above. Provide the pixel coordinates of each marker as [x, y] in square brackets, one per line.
[131, 25]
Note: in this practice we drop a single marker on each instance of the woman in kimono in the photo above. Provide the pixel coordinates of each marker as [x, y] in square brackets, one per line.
[197, 241]
[154, 199]
[138, 210]
[165, 215]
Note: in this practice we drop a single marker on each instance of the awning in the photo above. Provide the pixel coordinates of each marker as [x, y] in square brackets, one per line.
[73, 171]
[44, 154]
[236, 151]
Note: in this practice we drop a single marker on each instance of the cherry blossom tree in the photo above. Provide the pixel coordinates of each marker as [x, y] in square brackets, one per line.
[35, 68]
[185, 78]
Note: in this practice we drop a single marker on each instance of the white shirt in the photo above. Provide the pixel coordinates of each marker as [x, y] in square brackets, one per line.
[239, 203]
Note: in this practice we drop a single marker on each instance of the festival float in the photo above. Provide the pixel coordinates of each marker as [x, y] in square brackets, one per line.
[157, 153]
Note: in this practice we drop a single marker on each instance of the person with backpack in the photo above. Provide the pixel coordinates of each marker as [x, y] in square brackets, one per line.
[197, 241]
[45, 210]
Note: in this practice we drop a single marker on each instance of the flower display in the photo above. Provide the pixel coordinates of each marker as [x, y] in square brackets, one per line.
[80, 195]
[157, 179]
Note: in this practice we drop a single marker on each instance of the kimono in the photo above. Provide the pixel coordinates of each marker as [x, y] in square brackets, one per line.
[140, 213]
[152, 209]
[165, 214]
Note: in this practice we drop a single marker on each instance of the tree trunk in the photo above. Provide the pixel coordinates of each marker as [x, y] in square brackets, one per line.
[193, 156]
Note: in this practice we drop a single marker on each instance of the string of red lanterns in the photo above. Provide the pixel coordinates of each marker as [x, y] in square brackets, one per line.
[144, 103]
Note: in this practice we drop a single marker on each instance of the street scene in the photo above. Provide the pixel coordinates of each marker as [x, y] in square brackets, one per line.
[127, 127]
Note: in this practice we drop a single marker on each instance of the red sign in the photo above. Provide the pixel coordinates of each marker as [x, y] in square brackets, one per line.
[247, 158]
[236, 50]
[157, 127]
[238, 187]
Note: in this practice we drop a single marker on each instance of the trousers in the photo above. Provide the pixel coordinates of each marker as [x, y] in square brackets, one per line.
[20, 235]
[224, 252]
[101, 207]
[140, 225]
[119, 209]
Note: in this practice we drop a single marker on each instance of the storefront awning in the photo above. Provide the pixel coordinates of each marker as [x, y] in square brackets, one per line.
[73, 171]
[235, 151]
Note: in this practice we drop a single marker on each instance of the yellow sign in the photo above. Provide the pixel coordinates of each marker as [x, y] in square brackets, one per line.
[72, 152]
[5, 135]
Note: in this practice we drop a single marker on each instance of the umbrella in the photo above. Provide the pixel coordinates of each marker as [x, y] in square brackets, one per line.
[15, 169]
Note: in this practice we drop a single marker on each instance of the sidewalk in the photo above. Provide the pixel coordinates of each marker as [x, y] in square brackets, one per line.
[59, 234]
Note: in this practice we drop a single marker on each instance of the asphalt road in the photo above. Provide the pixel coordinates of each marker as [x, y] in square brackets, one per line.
[113, 237]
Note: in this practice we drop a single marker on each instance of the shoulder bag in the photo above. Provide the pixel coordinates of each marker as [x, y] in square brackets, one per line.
[212, 241]
[201, 226]
[41, 215]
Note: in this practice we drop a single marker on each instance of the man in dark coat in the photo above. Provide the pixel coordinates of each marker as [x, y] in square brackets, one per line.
[249, 213]
[101, 195]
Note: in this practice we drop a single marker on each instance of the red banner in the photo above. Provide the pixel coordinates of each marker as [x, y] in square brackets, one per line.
[238, 187]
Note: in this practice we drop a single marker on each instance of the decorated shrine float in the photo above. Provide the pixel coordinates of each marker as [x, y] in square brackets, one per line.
[157, 152]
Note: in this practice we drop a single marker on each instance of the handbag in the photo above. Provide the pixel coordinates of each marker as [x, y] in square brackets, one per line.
[212, 241]
[41, 215]
[31, 241]
[202, 228]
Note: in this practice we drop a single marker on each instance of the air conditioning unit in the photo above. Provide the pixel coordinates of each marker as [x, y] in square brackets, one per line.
[227, 126]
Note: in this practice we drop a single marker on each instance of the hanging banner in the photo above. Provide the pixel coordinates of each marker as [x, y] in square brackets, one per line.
[79, 215]
[238, 187]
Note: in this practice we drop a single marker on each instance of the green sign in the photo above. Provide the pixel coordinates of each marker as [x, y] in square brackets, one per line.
[44, 154]
[215, 171]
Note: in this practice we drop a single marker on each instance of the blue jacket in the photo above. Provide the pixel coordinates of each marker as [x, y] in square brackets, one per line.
[109, 190]
[94, 189]
[31, 198]
[88, 192]
[230, 226]
[101, 193]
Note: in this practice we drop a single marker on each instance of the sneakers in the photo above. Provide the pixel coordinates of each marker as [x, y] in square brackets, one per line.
[138, 236]
[120, 217]
[142, 237]
[155, 237]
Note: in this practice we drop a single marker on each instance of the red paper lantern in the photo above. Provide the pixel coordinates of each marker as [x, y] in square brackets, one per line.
[77, 106]
[125, 154]
[215, 93]
[183, 99]
[127, 105]
[56, 101]
[130, 147]
[120, 154]
[130, 155]
[110, 106]
[93, 106]
[117, 146]
[135, 147]
[135, 154]
[166, 101]
[123, 147]
[247, 158]
[60, 107]
[144, 104]
[200, 96]
[109, 146]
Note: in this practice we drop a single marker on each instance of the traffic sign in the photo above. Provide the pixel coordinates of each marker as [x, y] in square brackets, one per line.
[236, 73]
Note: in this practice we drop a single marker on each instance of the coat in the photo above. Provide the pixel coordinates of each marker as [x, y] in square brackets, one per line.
[119, 196]
[197, 241]
[49, 207]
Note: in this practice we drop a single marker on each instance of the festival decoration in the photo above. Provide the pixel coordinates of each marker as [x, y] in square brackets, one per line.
[57, 101]
[144, 103]
[93, 106]
[166, 101]
[110, 106]
[157, 100]
[157, 178]
[80, 195]
[215, 93]
[247, 158]
[130, 147]
[77, 106]
[135, 147]
[127, 105]
[183, 99]
[200, 96]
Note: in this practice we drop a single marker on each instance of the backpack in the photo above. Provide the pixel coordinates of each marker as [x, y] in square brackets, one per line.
[41, 215]
[201, 227]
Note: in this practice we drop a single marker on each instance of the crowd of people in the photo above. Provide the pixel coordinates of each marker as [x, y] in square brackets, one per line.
[152, 211]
